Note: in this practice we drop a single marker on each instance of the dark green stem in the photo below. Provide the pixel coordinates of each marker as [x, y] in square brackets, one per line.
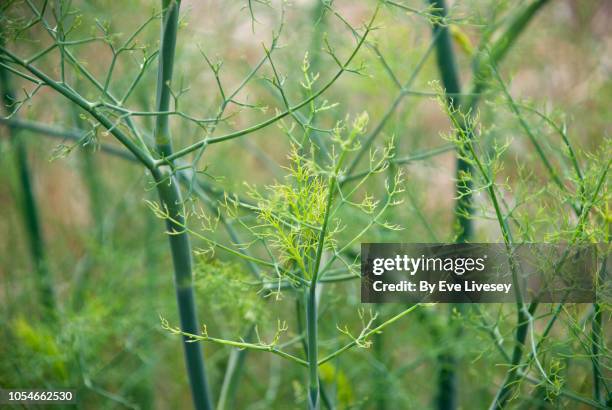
[596, 340]
[451, 83]
[170, 197]
[447, 392]
[463, 207]
[31, 215]
[311, 334]
[446, 55]
[380, 376]
[447, 395]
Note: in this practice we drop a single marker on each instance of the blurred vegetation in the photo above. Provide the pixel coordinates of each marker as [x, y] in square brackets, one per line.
[106, 252]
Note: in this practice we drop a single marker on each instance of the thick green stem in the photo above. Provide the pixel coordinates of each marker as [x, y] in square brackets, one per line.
[164, 75]
[446, 55]
[170, 197]
[311, 334]
[311, 299]
[464, 207]
[380, 381]
[447, 391]
[31, 216]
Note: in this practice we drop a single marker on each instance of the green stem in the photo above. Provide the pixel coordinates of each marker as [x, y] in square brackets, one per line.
[180, 246]
[525, 317]
[69, 134]
[498, 50]
[235, 366]
[311, 302]
[446, 55]
[596, 341]
[463, 206]
[481, 74]
[364, 337]
[596, 322]
[380, 380]
[170, 197]
[271, 348]
[447, 391]
[170, 18]
[90, 108]
[452, 88]
[31, 215]
[311, 334]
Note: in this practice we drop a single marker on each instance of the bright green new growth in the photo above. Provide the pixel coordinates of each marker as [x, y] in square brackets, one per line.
[291, 215]
[297, 222]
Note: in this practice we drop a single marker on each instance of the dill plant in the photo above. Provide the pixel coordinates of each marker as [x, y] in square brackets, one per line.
[298, 235]
[468, 135]
[156, 153]
[297, 225]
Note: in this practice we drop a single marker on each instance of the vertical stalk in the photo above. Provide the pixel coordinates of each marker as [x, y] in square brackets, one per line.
[596, 339]
[445, 54]
[311, 296]
[170, 197]
[447, 392]
[446, 395]
[450, 80]
[31, 216]
[314, 383]
[311, 333]
[463, 206]
[319, 21]
[380, 380]
[235, 366]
